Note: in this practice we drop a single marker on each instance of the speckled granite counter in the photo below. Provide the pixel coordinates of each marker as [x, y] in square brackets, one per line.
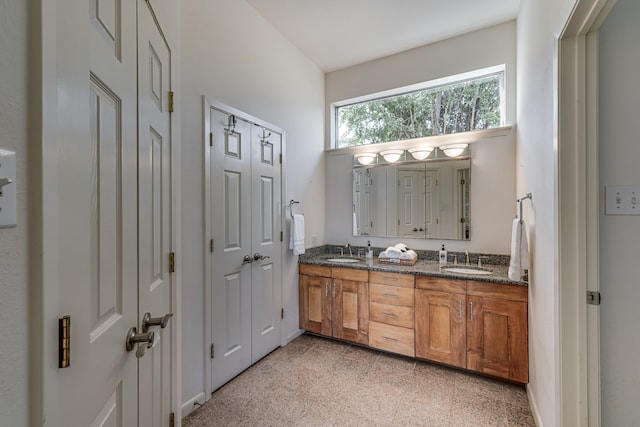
[421, 268]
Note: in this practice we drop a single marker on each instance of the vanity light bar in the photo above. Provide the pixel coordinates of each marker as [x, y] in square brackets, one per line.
[414, 154]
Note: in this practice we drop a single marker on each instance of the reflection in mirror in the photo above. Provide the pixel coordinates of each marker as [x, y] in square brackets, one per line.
[429, 200]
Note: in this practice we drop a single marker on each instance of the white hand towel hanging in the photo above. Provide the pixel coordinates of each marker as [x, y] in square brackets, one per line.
[519, 250]
[296, 242]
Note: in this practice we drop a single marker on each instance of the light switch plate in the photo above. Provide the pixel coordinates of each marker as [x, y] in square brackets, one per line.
[8, 191]
[622, 200]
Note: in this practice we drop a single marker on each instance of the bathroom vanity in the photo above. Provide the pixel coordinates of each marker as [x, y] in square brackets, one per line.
[478, 323]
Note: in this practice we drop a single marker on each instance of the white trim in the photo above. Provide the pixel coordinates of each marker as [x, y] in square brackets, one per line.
[578, 194]
[535, 413]
[190, 405]
[293, 335]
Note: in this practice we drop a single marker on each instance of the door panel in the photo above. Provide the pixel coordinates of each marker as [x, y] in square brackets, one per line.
[97, 201]
[350, 310]
[265, 224]
[154, 215]
[231, 219]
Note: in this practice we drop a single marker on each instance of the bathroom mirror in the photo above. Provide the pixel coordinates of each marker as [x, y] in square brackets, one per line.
[429, 200]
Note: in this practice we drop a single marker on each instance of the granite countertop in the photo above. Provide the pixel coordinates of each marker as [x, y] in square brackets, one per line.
[421, 268]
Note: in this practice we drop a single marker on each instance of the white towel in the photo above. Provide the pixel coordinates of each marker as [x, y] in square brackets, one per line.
[519, 250]
[402, 247]
[393, 252]
[410, 254]
[296, 242]
[355, 224]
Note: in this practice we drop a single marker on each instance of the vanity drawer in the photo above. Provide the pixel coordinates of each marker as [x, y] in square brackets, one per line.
[393, 295]
[314, 270]
[393, 279]
[392, 314]
[391, 338]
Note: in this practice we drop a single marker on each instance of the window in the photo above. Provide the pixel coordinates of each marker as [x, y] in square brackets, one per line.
[461, 103]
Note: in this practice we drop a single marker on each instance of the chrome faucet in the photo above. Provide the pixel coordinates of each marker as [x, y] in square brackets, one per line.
[348, 246]
[466, 256]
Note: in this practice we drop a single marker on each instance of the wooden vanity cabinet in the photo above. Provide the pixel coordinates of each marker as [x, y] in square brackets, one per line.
[497, 330]
[441, 327]
[334, 302]
[479, 326]
[392, 312]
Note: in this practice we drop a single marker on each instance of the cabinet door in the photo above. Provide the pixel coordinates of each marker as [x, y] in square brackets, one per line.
[441, 327]
[315, 304]
[497, 338]
[350, 312]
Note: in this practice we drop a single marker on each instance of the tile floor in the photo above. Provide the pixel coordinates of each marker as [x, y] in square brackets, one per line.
[315, 381]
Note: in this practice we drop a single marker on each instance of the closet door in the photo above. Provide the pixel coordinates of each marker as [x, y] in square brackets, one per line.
[230, 216]
[265, 231]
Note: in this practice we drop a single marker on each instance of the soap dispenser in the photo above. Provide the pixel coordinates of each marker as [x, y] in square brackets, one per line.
[443, 256]
[369, 250]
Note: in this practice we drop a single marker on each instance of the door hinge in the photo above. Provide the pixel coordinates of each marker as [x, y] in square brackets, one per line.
[282, 313]
[64, 342]
[171, 95]
[282, 236]
[172, 262]
[213, 351]
[211, 139]
[593, 297]
[280, 158]
[211, 246]
[172, 419]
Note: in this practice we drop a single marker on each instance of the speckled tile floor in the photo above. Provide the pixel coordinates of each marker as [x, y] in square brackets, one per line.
[315, 381]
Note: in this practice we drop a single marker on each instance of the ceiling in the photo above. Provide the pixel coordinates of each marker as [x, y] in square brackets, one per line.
[337, 34]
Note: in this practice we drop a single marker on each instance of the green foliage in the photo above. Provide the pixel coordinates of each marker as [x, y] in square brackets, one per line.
[460, 107]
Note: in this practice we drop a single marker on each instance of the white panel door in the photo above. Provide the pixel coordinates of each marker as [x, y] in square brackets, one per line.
[154, 217]
[230, 212]
[411, 205]
[97, 200]
[362, 189]
[431, 205]
[266, 246]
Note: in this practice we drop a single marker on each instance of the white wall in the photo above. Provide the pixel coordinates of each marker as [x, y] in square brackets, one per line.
[538, 22]
[493, 180]
[232, 55]
[19, 124]
[619, 235]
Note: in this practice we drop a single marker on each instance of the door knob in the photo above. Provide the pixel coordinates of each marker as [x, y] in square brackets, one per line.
[247, 260]
[258, 257]
[148, 321]
[133, 338]
[415, 228]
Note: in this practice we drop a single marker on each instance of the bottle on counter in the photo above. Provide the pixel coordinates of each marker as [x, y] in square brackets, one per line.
[443, 256]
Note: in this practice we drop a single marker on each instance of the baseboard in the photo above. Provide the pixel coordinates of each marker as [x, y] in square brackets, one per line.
[534, 408]
[293, 335]
[192, 404]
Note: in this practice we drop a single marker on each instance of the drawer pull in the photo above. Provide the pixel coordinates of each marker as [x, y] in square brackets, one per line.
[393, 316]
[390, 296]
[390, 278]
[389, 339]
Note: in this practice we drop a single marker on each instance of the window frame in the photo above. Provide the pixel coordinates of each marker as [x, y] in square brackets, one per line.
[430, 84]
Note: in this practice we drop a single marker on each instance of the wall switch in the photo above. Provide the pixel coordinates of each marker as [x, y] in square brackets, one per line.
[7, 189]
[622, 200]
[314, 241]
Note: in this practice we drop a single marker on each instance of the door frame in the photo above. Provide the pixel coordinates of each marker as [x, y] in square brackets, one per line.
[576, 135]
[207, 104]
[44, 309]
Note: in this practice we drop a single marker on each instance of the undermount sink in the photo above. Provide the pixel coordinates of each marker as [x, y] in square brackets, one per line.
[344, 260]
[466, 270]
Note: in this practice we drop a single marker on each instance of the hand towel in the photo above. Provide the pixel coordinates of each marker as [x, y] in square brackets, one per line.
[296, 242]
[355, 224]
[519, 250]
[410, 254]
[393, 252]
[402, 247]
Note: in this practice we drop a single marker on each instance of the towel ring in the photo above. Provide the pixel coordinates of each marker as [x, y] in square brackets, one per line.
[291, 203]
[520, 200]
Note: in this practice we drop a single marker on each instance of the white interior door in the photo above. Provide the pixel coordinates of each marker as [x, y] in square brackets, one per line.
[154, 217]
[362, 192]
[266, 299]
[411, 203]
[431, 204]
[97, 201]
[230, 213]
